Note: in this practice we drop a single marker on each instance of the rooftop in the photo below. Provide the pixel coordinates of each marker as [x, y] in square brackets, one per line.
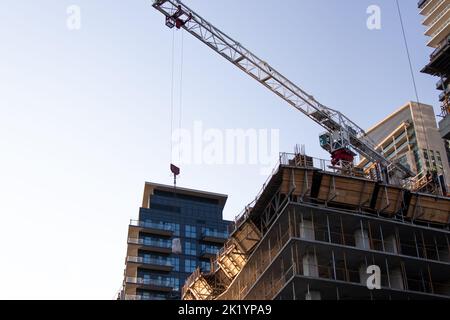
[151, 186]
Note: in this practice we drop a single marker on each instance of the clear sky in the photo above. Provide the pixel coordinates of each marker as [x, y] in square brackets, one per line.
[85, 115]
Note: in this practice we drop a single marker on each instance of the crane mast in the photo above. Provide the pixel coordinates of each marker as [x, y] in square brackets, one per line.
[342, 136]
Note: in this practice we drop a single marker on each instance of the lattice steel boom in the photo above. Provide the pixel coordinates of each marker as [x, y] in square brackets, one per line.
[180, 16]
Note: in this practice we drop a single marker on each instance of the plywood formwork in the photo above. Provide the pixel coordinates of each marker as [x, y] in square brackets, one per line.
[429, 208]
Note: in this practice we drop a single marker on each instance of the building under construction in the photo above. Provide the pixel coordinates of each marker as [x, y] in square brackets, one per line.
[318, 227]
[312, 232]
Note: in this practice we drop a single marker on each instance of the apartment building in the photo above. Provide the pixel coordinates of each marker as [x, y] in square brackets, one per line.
[178, 231]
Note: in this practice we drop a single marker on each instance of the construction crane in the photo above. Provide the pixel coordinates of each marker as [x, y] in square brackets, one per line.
[343, 138]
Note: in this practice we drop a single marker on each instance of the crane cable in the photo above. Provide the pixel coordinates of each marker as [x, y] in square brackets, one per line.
[411, 68]
[172, 92]
[176, 170]
[172, 96]
[180, 111]
[428, 151]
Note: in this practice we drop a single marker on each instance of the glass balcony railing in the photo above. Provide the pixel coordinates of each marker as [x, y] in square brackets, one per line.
[151, 282]
[150, 260]
[209, 250]
[152, 225]
[159, 243]
[215, 234]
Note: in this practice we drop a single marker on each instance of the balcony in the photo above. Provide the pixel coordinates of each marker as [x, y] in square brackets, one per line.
[153, 245]
[421, 3]
[158, 264]
[428, 6]
[438, 12]
[161, 229]
[440, 60]
[439, 31]
[444, 127]
[214, 236]
[164, 285]
[208, 252]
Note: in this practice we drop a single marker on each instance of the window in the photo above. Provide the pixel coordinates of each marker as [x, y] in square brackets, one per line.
[156, 242]
[190, 231]
[176, 229]
[190, 248]
[176, 284]
[176, 264]
[205, 266]
[154, 259]
[164, 207]
[190, 265]
[209, 232]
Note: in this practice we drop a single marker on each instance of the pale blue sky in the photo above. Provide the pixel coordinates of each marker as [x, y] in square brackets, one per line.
[85, 115]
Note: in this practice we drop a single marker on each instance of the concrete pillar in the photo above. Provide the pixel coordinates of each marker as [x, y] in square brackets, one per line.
[390, 244]
[307, 230]
[362, 239]
[310, 265]
[396, 279]
[313, 296]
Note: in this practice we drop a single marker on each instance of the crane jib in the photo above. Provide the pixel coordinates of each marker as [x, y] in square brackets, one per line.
[180, 16]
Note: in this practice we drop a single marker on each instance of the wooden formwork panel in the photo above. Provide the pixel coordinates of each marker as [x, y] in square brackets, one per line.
[389, 200]
[365, 194]
[300, 179]
[347, 191]
[247, 236]
[429, 208]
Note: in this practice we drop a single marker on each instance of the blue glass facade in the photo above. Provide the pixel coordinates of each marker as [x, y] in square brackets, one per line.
[178, 231]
